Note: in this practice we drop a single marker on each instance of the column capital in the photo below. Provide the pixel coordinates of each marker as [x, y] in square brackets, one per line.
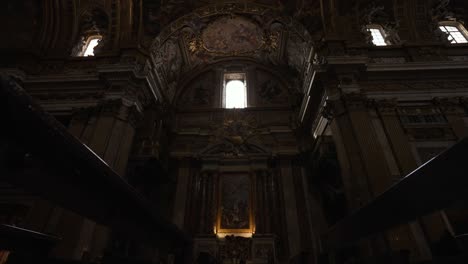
[386, 106]
[355, 101]
[122, 109]
[346, 103]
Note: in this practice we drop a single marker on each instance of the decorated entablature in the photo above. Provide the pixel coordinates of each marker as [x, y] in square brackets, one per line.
[229, 32]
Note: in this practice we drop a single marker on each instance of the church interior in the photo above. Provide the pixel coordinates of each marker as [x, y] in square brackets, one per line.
[234, 131]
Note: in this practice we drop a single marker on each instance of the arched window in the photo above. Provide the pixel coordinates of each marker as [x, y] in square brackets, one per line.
[455, 31]
[91, 43]
[378, 35]
[235, 90]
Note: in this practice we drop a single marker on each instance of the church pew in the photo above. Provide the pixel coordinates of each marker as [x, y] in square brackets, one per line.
[435, 185]
[40, 156]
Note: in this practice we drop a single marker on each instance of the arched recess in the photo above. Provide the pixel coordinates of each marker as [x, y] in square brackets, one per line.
[223, 32]
[265, 86]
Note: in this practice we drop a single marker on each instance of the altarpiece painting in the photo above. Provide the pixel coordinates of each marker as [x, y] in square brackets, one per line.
[234, 210]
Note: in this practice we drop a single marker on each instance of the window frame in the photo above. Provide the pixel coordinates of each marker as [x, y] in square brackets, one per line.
[88, 42]
[382, 33]
[231, 76]
[460, 27]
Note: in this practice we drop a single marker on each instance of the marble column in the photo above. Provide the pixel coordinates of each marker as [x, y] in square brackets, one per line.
[352, 161]
[264, 202]
[203, 202]
[364, 163]
[108, 130]
[290, 206]
[193, 203]
[455, 111]
[182, 191]
[211, 199]
[205, 206]
[404, 159]
[260, 206]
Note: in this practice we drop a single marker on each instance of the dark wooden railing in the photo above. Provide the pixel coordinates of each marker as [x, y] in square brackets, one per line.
[15, 238]
[434, 186]
[40, 156]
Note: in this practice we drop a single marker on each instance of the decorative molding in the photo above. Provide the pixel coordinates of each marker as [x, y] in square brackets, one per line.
[235, 136]
[388, 60]
[407, 85]
[458, 58]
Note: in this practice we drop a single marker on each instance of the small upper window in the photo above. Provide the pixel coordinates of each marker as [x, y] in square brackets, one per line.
[90, 45]
[235, 90]
[378, 35]
[456, 33]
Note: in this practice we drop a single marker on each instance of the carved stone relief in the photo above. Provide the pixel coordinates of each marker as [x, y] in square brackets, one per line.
[236, 249]
[236, 136]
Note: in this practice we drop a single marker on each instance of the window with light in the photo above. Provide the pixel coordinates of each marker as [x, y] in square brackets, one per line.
[456, 33]
[378, 35]
[92, 43]
[235, 91]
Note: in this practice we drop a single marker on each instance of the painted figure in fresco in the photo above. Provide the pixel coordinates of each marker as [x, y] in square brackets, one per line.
[269, 90]
[202, 95]
[172, 60]
[232, 35]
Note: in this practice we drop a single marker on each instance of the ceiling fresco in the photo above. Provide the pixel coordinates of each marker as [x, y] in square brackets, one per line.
[231, 35]
[228, 31]
[159, 14]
